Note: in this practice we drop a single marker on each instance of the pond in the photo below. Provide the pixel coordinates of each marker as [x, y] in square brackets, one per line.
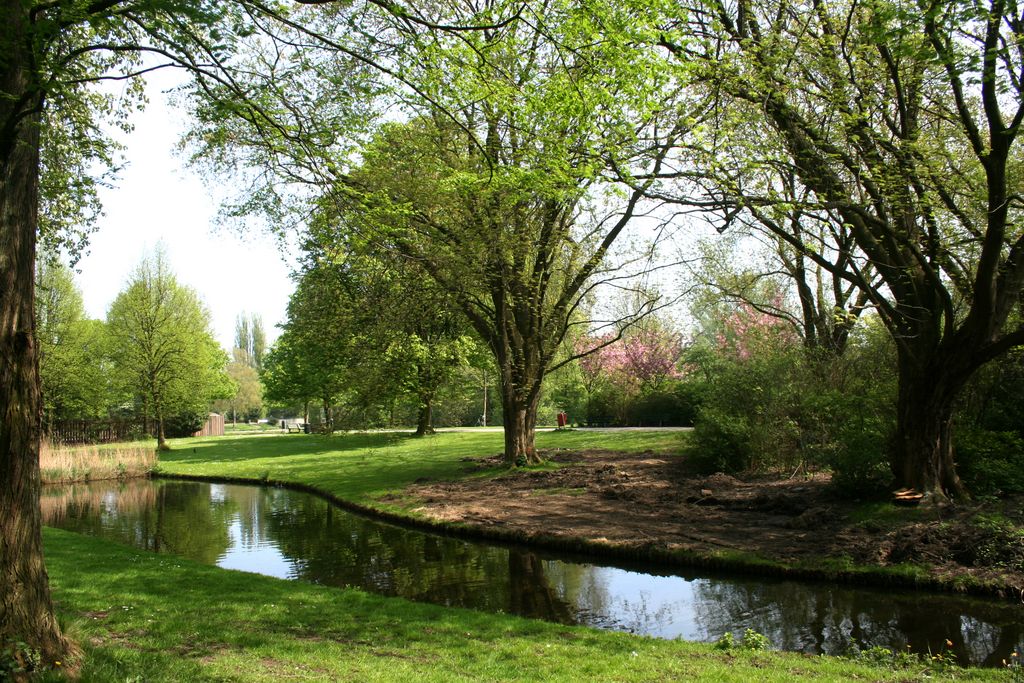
[296, 535]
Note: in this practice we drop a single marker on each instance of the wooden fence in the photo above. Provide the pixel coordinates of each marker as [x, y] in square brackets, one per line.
[93, 431]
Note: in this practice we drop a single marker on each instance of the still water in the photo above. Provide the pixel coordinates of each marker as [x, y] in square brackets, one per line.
[295, 535]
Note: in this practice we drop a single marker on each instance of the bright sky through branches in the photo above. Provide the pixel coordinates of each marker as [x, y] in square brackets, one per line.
[156, 199]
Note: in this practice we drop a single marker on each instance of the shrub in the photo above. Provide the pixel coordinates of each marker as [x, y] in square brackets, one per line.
[750, 640]
[990, 463]
[185, 423]
[780, 406]
[720, 441]
[751, 417]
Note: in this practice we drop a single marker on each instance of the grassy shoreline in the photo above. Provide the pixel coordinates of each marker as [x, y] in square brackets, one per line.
[141, 616]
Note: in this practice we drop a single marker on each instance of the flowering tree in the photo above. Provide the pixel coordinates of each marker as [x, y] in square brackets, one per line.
[747, 328]
[633, 365]
[645, 358]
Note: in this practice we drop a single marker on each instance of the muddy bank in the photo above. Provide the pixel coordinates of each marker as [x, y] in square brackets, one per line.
[651, 501]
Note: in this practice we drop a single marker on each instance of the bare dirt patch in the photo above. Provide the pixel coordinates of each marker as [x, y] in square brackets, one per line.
[652, 500]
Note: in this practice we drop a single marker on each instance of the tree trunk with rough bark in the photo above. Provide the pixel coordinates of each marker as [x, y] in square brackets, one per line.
[520, 421]
[26, 609]
[922, 448]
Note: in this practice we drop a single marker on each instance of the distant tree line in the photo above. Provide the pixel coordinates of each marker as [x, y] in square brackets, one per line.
[153, 360]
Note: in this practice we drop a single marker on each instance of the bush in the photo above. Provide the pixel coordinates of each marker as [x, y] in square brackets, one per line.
[185, 423]
[720, 441]
[751, 418]
[781, 407]
[989, 462]
[673, 404]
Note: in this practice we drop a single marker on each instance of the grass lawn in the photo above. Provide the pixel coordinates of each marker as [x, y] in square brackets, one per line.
[144, 617]
[360, 467]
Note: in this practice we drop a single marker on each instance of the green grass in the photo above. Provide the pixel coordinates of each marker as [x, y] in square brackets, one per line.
[145, 617]
[361, 467]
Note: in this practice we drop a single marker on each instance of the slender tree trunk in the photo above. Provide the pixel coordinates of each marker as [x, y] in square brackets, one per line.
[922, 449]
[328, 416]
[425, 418]
[161, 437]
[26, 610]
[483, 418]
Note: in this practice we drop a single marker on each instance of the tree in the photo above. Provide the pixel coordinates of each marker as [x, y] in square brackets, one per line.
[72, 354]
[313, 356]
[164, 349]
[902, 122]
[287, 376]
[405, 335]
[250, 340]
[247, 399]
[494, 185]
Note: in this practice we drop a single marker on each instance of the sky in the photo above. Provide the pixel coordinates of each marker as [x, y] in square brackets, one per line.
[155, 200]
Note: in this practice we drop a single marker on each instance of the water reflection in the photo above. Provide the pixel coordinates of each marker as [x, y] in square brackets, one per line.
[298, 536]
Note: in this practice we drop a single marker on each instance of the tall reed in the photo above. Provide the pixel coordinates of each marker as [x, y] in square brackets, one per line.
[66, 464]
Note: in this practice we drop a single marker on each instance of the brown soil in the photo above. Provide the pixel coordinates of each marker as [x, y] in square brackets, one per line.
[650, 501]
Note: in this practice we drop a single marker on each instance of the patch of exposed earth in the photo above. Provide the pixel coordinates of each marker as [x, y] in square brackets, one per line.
[650, 499]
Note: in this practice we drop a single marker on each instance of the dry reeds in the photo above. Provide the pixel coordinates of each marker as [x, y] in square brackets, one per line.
[64, 465]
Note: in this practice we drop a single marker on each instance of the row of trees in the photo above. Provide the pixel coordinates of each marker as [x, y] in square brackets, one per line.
[154, 356]
[364, 334]
[883, 160]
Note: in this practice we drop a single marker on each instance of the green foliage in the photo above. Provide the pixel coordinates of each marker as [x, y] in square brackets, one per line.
[185, 421]
[750, 640]
[990, 463]
[73, 357]
[999, 543]
[17, 659]
[246, 403]
[675, 403]
[250, 341]
[781, 407]
[163, 349]
[989, 431]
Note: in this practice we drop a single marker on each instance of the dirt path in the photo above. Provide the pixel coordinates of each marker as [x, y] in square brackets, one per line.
[649, 499]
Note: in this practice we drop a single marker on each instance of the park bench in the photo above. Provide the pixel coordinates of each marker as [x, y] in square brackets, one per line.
[293, 426]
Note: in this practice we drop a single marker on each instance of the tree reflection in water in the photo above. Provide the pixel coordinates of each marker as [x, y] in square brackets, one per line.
[811, 617]
[295, 535]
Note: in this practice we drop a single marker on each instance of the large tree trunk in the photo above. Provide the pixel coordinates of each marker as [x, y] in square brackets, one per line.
[520, 419]
[922, 449]
[26, 611]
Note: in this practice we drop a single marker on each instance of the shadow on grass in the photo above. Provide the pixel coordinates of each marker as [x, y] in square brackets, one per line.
[363, 466]
[234, 447]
